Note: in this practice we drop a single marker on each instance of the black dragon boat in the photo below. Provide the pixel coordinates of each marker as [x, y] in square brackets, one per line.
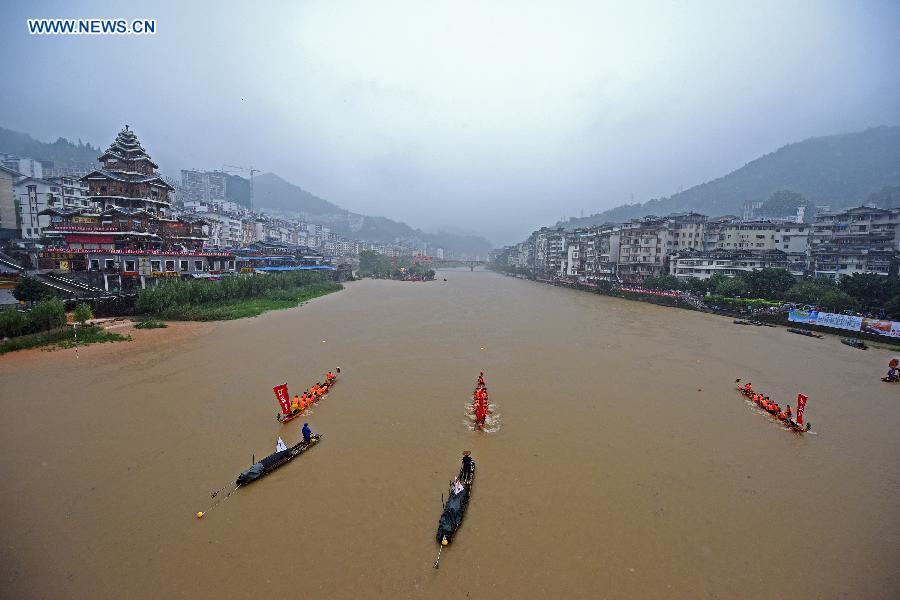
[268, 464]
[455, 507]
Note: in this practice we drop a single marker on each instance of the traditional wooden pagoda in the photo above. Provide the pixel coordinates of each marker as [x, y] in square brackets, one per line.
[127, 237]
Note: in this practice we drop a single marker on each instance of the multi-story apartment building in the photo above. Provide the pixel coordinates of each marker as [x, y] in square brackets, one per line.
[550, 247]
[9, 220]
[202, 186]
[793, 239]
[25, 166]
[33, 196]
[592, 253]
[642, 249]
[645, 244]
[858, 240]
[703, 264]
[580, 253]
[685, 231]
[69, 191]
[747, 235]
[225, 231]
[713, 230]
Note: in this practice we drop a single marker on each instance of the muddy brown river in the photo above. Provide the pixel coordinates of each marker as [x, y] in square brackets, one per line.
[623, 464]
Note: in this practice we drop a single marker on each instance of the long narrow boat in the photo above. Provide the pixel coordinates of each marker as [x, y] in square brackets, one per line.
[455, 508]
[480, 385]
[277, 459]
[804, 332]
[789, 423]
[854, 343]
[283, 418]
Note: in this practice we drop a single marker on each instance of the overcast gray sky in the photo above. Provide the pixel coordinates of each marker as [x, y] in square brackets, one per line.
[496, 117]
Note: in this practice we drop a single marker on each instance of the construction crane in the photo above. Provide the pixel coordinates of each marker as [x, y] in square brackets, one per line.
[251, 170]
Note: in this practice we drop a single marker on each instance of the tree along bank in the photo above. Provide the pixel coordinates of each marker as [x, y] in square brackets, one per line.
[44, 324]
[878, 295]
[232, 297]
[373, 264]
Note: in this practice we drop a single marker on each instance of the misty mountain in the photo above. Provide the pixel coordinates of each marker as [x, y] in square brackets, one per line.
[237, 190]
[272, 193]
[275, 195]
[61, 153]
[837, 170]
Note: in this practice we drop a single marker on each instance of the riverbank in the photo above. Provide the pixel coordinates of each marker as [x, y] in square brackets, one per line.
[249, 307]
[231, 298]
[225, 310]
[62, 338]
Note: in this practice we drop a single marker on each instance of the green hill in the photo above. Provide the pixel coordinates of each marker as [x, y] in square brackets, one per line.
[61, 153]
[837, 170]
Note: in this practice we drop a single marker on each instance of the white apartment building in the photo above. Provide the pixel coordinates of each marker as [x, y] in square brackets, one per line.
[747, 235]
[28, 167]
[793, 239]
[705, 264]
[224, 231]
[33, 196]
[858, 240]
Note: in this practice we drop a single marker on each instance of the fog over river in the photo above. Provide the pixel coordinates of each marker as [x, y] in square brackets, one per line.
[626, 466]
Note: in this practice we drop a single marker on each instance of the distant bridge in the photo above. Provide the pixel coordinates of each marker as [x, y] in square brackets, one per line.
[448, 264]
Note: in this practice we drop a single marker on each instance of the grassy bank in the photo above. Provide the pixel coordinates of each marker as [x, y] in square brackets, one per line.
[62, 338]
[200, 303]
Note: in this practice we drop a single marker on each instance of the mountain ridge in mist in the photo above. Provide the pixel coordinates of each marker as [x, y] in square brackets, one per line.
[275, 194]
[838, 170]
[271, 192]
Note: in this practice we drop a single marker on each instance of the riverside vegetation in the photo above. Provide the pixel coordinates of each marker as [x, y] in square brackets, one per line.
[771, 287]
[232, 297]
[45, 326]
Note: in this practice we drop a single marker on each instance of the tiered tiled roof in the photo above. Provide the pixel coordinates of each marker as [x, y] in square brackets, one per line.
[128, 177]
[127, 147]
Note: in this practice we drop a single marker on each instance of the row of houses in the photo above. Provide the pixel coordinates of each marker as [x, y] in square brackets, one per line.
[858, 240]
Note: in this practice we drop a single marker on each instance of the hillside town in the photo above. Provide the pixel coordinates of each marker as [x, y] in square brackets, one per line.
[693, 246]
[121, 225]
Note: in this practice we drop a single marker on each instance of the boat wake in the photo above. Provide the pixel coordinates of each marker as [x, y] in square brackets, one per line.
[491, 422]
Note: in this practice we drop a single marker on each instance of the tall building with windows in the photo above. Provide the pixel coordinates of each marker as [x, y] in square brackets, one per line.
[26, 166]
[858, 240]
[202, 186]
[9, 221]
[747, 235]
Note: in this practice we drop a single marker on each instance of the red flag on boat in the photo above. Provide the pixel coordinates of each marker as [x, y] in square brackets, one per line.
[281, 394]
[801, 404]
